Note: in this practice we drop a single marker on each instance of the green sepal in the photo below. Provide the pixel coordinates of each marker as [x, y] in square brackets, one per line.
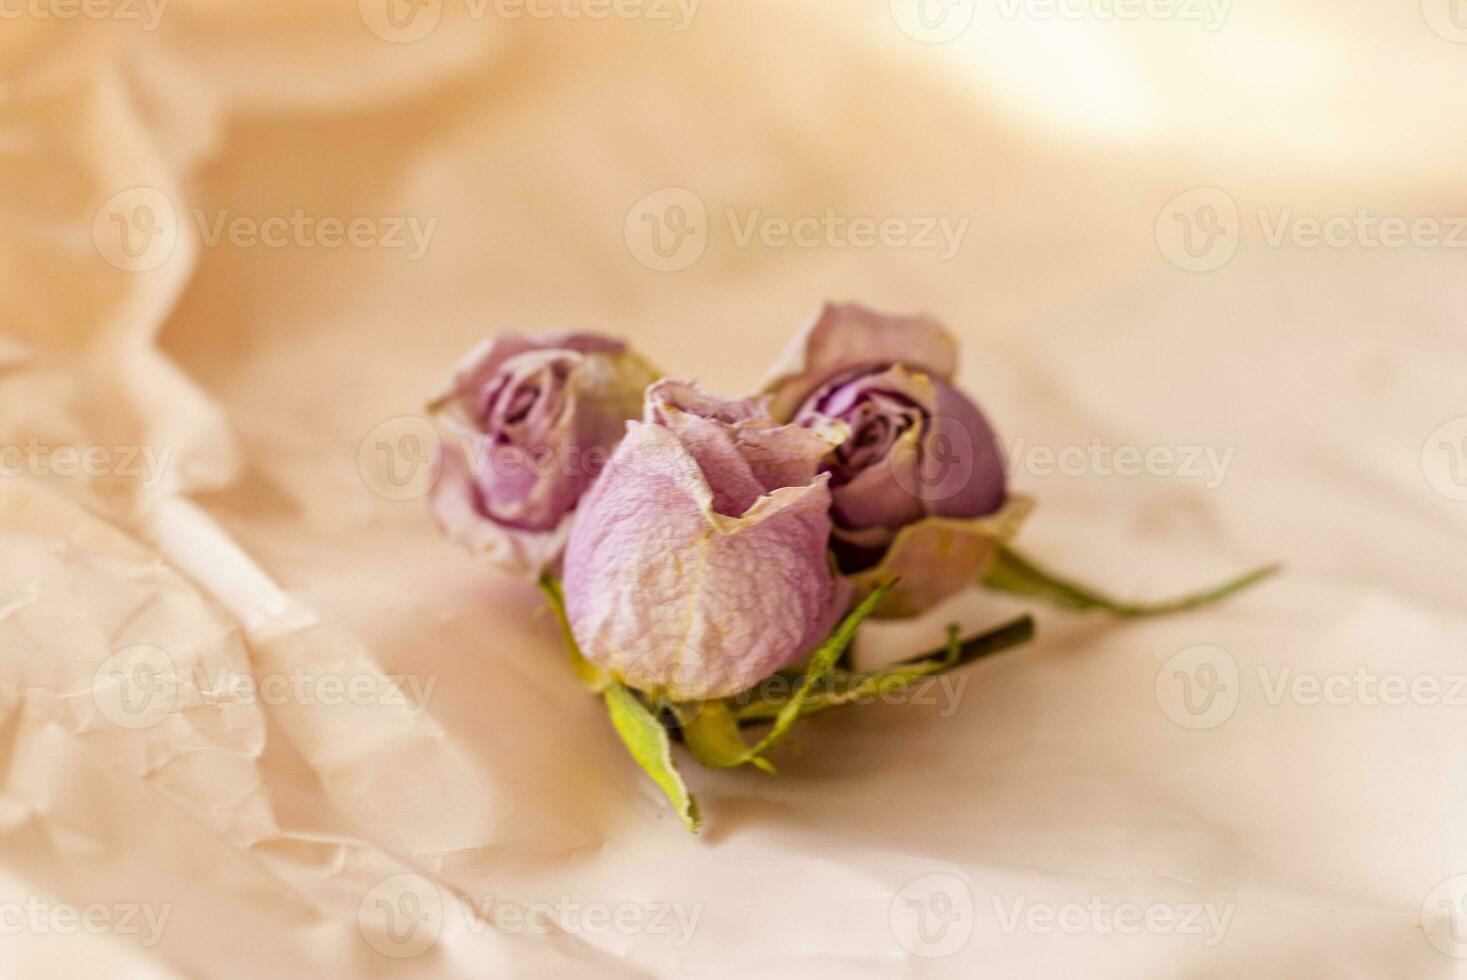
[821, 661]
[841, 688]
[711, 729]
[648, 742]
[592, 677]
[1012, 573]
[711, 732]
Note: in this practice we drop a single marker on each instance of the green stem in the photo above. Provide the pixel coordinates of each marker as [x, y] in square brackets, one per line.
[1014, 573]
[843, 688]
[590, 675]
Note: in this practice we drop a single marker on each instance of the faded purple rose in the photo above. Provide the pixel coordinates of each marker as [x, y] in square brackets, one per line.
[530, 423]
[921, 465]
[698, 566]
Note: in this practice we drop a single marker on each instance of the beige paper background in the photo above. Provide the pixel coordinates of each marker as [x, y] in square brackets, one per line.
[266, 549]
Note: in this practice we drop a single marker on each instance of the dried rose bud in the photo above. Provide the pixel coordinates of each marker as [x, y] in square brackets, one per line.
[698, 566]
[918, 487]
[531, 423]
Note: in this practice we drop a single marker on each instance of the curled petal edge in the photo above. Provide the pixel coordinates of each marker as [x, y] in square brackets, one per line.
[525, 554]
[662, 451]
[844, 336]
[938, 556]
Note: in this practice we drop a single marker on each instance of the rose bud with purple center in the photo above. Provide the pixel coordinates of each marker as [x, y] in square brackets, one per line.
[918, 487]
[698, 566]
[530, 423]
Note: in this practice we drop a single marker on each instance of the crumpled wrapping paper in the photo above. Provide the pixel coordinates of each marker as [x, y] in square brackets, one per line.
[178, 631]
